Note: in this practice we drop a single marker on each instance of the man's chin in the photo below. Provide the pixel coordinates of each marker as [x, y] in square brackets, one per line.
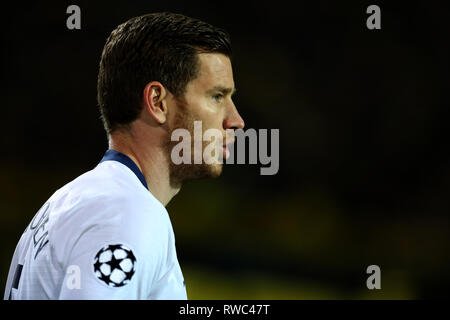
[184, 173]
[206, 171]
[215, 170]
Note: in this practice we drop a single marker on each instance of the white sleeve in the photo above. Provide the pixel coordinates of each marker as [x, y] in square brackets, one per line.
[117, 256]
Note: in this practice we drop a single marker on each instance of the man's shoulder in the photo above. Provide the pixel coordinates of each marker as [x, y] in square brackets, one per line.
[110, 176]
[100, 198]
[108, 181]
[96, 210]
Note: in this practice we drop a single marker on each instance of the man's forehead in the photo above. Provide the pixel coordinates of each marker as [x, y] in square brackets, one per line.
[214, 61]
[215, 71]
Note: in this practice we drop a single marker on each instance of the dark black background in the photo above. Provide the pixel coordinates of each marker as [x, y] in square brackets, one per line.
[364, 164]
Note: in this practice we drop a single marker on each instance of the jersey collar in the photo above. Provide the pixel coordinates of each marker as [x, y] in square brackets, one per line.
[125, 160]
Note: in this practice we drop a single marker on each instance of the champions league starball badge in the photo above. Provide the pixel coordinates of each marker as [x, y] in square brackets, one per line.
[115, 265]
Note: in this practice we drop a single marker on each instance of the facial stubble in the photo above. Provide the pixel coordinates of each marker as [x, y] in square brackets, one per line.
[184, 119]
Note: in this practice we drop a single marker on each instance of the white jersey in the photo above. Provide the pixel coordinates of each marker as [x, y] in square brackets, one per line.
[101, 236]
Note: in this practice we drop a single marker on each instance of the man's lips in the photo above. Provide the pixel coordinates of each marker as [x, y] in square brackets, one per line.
[226, 152]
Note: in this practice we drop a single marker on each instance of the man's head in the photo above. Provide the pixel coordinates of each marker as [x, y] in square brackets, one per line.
[166, 71]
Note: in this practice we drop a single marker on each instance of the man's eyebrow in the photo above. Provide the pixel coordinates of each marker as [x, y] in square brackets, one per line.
[223, 90]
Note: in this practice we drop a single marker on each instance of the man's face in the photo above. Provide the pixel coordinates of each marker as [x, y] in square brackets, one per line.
[208, 99]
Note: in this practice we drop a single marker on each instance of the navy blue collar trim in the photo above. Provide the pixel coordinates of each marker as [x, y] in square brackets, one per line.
[120, 157]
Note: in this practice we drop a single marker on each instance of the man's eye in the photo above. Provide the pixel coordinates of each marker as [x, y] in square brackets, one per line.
[218, 97]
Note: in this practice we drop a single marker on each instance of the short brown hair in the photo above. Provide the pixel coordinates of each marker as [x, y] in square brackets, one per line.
[154, 47]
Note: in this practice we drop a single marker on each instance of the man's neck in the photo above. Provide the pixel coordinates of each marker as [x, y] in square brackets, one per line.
[151, 161]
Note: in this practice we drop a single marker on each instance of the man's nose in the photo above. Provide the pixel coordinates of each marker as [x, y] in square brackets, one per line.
[234, 119]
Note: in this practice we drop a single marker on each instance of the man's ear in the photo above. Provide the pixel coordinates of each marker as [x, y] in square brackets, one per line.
[155, 102]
